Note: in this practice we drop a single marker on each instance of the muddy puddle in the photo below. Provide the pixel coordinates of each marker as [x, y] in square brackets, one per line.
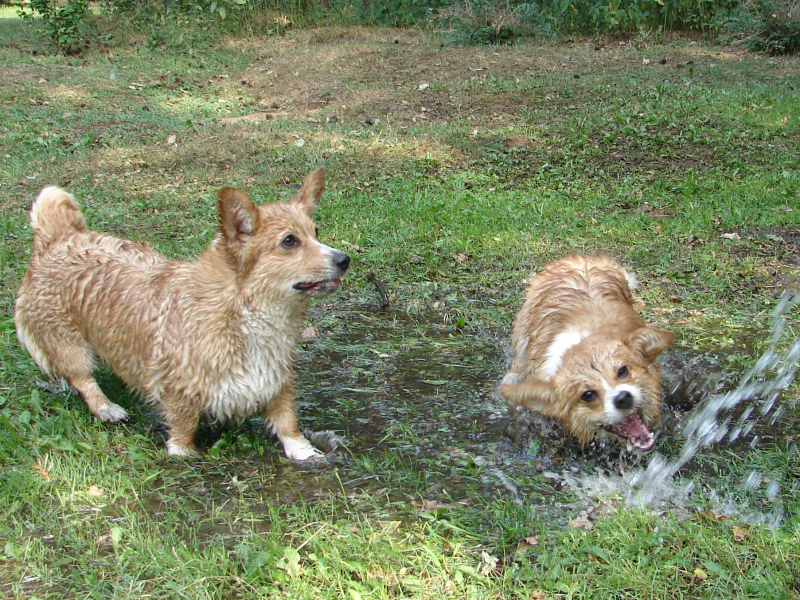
[431, 399]
[414, 397]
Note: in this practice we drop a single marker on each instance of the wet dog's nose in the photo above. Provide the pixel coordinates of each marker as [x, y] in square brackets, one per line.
[623, 401]
[341, 260]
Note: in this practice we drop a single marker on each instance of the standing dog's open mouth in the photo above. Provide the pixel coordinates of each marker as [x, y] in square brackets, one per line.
[319, 287]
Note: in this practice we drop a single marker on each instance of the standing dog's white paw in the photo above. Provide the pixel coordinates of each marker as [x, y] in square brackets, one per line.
[299, 449]
[174, 449]
[112, 413]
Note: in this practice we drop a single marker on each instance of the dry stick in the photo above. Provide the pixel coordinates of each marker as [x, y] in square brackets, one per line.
[381, 290]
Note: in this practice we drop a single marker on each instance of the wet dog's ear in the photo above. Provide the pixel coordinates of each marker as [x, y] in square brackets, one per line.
[307, 197]
[238, 219]
[650, 341]
[537, 396]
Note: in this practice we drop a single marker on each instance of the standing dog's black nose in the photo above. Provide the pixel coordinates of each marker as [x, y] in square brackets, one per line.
[623, 401]
[341, 260]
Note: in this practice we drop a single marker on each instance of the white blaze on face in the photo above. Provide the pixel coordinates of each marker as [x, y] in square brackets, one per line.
[327, 255]
[612, 413]
[555, 353]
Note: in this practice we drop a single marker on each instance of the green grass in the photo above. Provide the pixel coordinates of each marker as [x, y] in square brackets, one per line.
[686, 170]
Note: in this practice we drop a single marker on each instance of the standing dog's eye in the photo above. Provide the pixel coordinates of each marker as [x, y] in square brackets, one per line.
[290, 241]
[623, 372]
[588, 395]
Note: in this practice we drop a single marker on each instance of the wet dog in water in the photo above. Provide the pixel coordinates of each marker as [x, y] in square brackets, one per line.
[583, 356]
[216, 336]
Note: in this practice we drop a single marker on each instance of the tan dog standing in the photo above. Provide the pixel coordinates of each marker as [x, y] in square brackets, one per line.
[583, 356]
[216, 336]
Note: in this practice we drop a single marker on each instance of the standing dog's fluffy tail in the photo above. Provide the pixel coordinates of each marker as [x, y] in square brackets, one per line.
[54, 214]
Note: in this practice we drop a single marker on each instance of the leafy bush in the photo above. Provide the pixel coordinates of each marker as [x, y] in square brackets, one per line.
[498, 21]
[395, 13]
[771, 26]
[389, 13]
[69, 26]
[476, 22]
[613, 16]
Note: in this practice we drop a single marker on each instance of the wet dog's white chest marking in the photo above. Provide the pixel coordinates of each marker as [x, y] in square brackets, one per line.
[555, 353]
[265, 368]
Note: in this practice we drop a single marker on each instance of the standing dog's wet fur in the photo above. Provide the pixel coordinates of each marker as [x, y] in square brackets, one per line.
[216, 336]
[583, 356]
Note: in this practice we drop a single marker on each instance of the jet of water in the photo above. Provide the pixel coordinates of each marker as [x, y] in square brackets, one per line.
[760, 386]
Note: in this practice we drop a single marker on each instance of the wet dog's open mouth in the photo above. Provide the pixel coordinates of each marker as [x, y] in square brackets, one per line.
[318, 287]
[634, 430]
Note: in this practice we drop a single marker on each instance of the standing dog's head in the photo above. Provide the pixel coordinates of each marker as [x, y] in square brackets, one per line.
[601, 382]
[274, 247]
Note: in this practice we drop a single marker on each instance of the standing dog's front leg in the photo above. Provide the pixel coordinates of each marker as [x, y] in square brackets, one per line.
[280, 415]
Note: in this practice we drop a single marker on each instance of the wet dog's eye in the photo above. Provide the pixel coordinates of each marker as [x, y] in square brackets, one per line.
[588, 395]
[290, 241]
[623, 372]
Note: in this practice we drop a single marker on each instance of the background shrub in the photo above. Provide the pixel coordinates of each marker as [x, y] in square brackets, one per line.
[69, 26]
[771, 26]
[615, 16]
[763, 25]
[499, 21]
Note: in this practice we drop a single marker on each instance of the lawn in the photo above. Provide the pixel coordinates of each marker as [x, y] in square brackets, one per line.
[453, 173]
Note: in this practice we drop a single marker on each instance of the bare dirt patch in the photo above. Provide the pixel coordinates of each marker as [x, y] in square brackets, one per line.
[599, 100]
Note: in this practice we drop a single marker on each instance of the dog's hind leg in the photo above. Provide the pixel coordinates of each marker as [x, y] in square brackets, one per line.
[280, 414]
[72, 360]
[96, 400]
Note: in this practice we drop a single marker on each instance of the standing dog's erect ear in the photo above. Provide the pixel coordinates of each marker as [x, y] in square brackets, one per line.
[238, 219]
[650, 341]
[307, 197]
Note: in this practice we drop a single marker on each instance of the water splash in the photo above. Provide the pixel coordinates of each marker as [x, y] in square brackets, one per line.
[759, 390]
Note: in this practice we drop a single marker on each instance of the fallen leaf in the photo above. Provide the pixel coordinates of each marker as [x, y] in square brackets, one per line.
[582, 522]
[700, 575]
[531, 541]
[740, 532]
[95, 491]
[309, 333]
[490, 564]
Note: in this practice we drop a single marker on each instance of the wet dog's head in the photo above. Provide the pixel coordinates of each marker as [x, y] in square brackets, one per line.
[274, 248]
[602, 383]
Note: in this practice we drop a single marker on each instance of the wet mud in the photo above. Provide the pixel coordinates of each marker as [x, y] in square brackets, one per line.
[414, 399]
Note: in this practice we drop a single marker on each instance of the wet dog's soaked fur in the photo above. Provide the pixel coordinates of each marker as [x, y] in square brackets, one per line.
[583, 356]
[216, 336]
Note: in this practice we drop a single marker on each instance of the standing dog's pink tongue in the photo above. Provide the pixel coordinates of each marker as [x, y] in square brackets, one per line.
[635, 431]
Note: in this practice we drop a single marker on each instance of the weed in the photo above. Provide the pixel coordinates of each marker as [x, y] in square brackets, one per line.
[69, 27]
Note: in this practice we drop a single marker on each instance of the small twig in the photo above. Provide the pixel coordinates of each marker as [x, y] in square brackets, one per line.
[381, 290]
